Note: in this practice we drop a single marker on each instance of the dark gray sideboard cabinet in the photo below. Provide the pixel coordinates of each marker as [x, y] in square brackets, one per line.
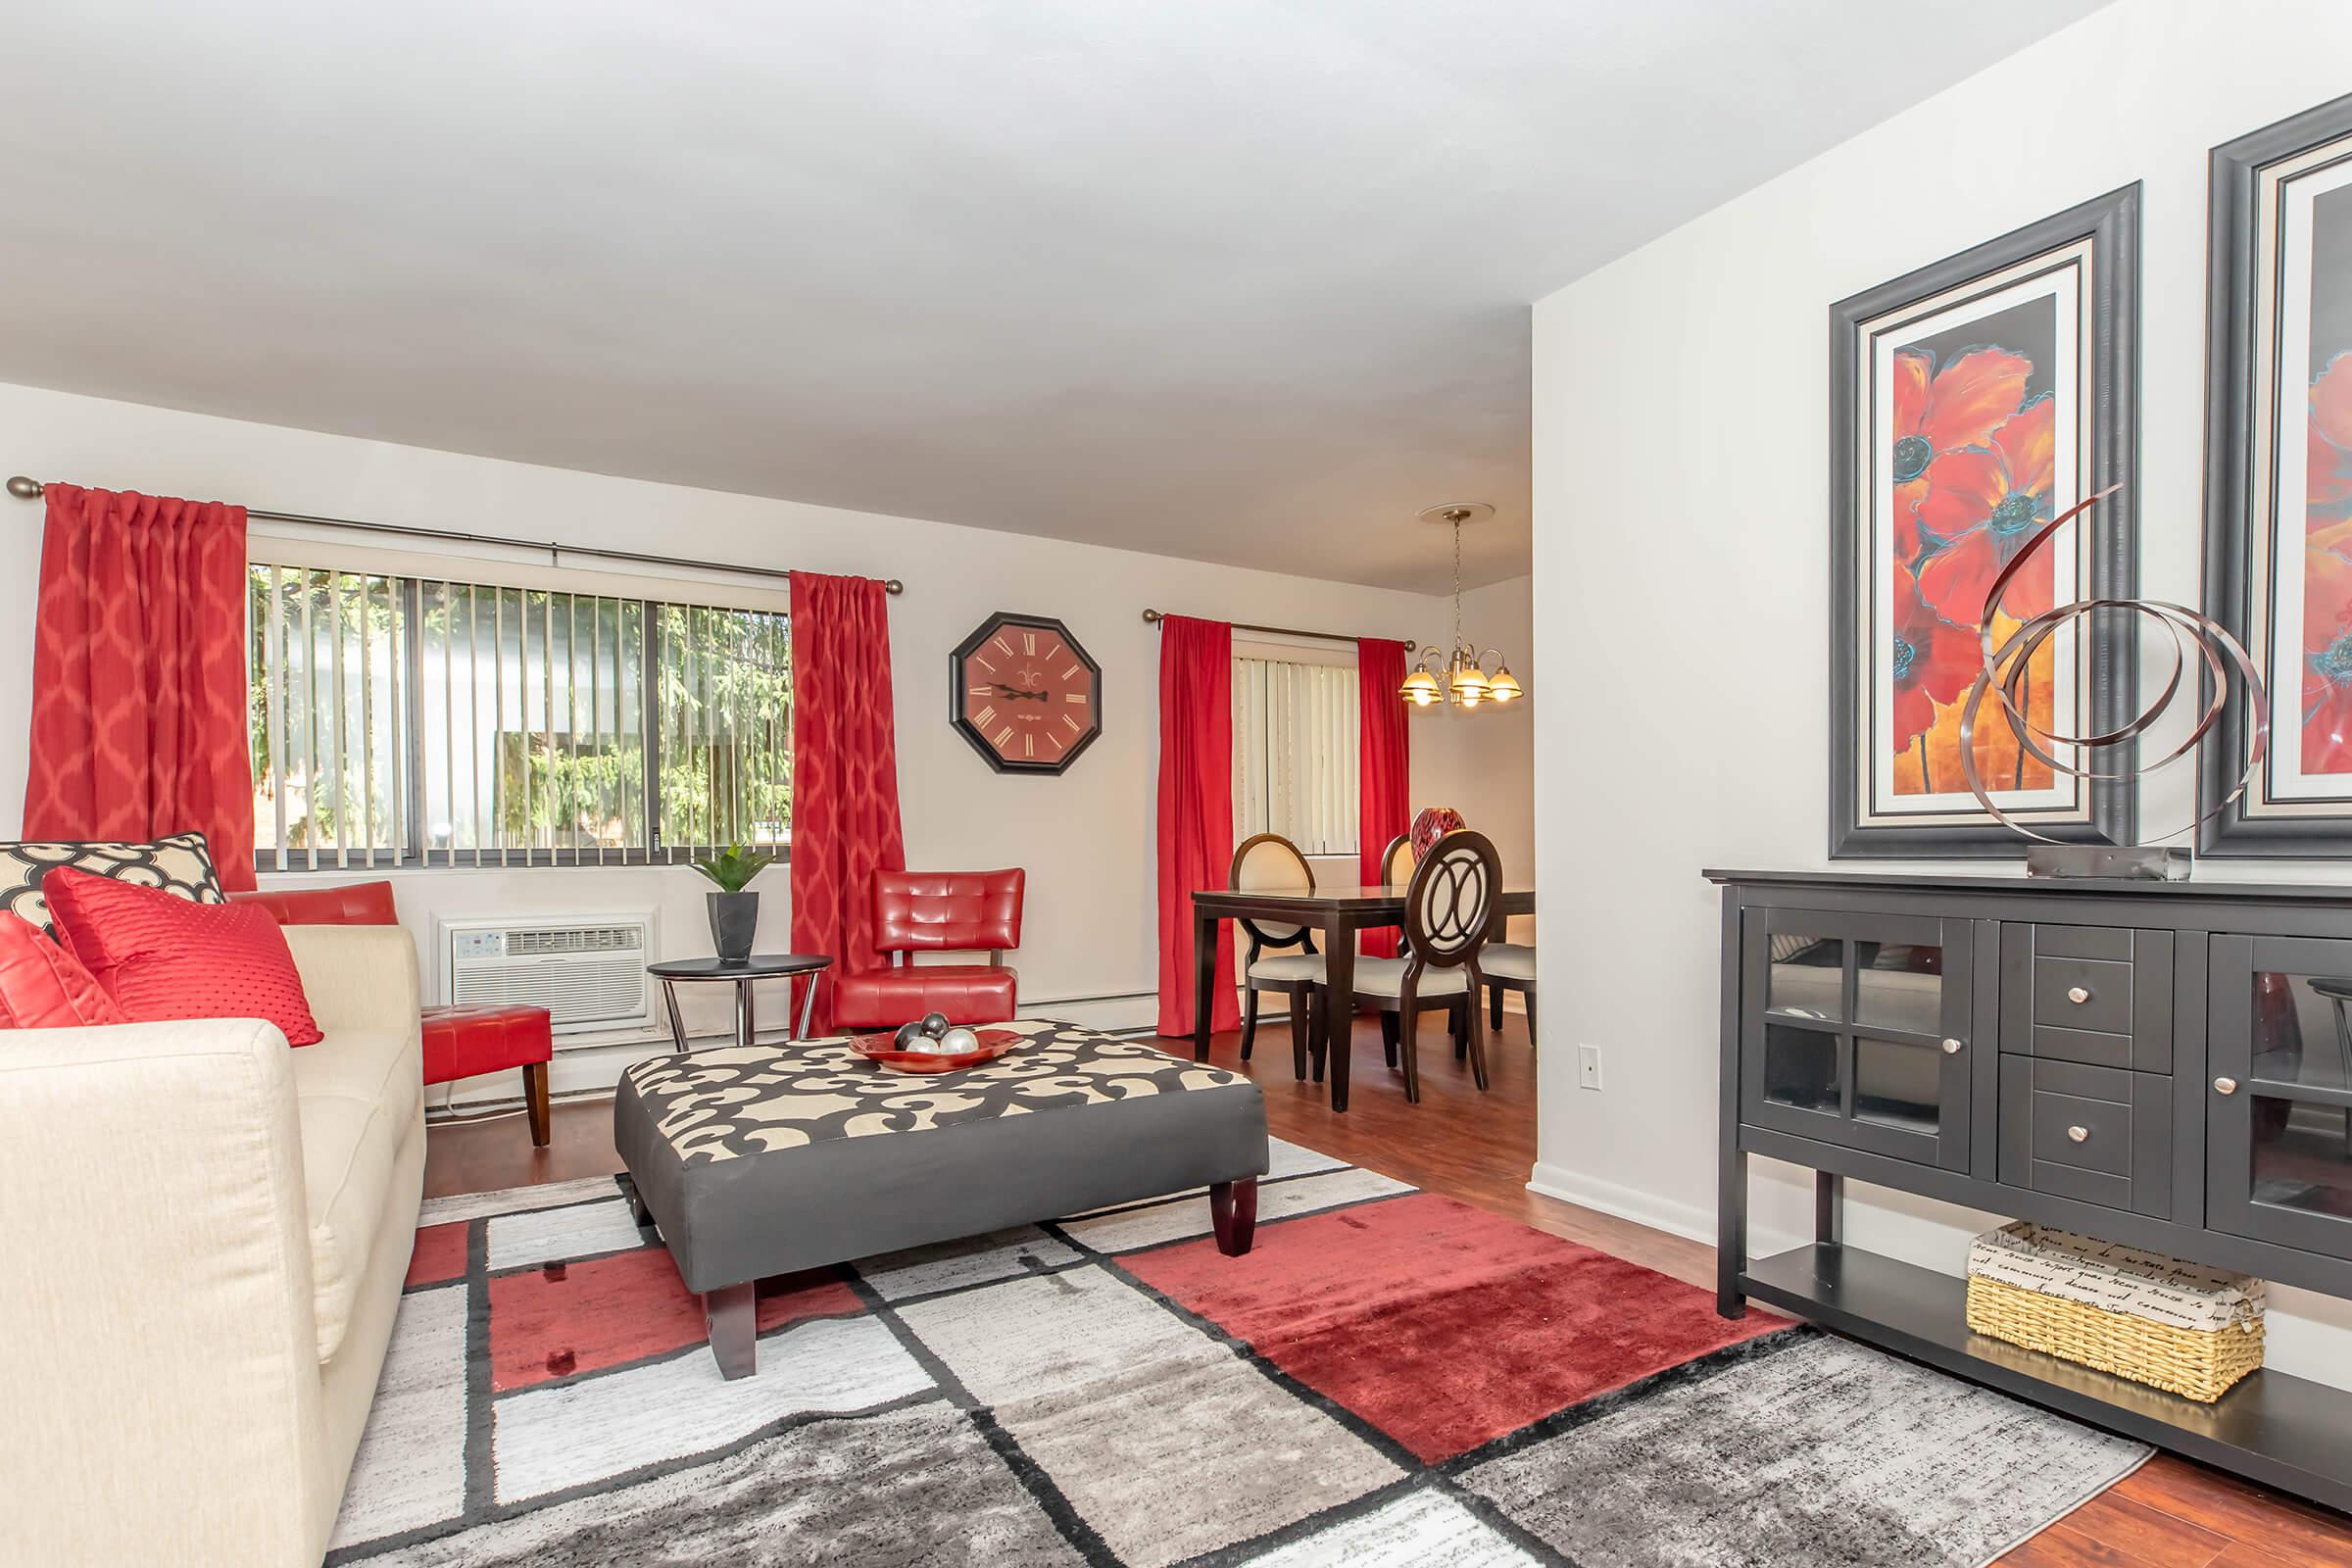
[2168, 1066]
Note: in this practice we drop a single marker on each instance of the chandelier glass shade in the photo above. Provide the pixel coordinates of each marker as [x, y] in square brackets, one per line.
[1459, 677]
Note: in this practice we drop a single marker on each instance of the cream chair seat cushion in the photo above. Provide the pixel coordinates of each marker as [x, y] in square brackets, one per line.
[1509, 961]
[1289, 967]
[358, 1092]
[1385, 977]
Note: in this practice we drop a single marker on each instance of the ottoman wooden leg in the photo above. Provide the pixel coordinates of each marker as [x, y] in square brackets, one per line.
[534, 1099]
[1233, 1210]
[733, 1312]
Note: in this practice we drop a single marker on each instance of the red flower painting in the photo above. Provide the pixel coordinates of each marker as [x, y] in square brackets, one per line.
[2327, 574]
[1983, 504]
[1943, 410]
[1972, 471]
[1934, 662]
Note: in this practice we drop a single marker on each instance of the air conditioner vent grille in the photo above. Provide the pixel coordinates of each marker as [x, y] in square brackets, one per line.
[531, 942]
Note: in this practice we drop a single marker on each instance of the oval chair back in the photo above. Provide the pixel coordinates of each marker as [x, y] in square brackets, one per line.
[1268, 862]
[1396, 860]
[1450, 906]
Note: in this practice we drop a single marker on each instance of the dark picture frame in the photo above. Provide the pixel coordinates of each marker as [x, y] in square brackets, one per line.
[2086, 262]
[2247, 523]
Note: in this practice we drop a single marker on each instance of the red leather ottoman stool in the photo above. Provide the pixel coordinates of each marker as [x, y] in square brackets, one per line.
[465, 1041]
[459, 1042]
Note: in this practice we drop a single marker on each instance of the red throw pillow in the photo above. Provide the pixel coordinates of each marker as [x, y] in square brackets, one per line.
[160, 957]
[42, 986]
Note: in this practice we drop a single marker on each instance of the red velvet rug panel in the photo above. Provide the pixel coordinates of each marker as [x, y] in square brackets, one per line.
[1442, 1325]
[563, 1318]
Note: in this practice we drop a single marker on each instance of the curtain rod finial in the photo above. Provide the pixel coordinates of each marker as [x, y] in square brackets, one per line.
[1154, 617]
[24, 489]
[892, 585]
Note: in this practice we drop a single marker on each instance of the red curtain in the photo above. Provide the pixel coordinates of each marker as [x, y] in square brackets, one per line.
[139, 726]
[1383, 759]
[1196, 808]
[845, 772]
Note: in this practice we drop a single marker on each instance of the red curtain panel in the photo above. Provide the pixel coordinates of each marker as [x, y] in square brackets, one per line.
[1383, 759]
[845, 772]
[1196, 808]
[138, 675]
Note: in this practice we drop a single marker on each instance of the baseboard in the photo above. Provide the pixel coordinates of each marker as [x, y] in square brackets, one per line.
[1686, 1220]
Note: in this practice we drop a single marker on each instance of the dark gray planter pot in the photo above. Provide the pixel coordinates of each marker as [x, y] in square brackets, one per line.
[734, 918]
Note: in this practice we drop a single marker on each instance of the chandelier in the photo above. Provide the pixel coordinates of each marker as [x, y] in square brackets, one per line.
[1459, 675]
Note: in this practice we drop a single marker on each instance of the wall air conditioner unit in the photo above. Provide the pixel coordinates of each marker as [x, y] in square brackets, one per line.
[587, 971]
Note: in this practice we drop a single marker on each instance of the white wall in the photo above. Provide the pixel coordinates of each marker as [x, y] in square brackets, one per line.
[1681, 518]
[1085, 838]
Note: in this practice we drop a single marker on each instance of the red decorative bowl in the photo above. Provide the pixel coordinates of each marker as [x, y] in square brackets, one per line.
[883, 1051]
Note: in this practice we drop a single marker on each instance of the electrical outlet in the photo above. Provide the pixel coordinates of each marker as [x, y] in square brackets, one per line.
[1588, 1066]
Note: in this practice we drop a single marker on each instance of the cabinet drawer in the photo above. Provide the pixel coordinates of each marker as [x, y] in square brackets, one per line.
[2101, 996]
[2097, 1135]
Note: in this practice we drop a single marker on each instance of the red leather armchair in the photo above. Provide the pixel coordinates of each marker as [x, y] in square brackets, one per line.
[938, 912]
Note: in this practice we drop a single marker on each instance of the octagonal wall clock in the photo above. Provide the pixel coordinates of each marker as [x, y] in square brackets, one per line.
[1025, 694]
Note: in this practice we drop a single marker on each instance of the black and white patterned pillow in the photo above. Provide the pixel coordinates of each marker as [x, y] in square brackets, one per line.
[180, 864]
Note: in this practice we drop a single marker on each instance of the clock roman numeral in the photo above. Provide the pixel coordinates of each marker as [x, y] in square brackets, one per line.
[1074, 697]
[1072, 721]
[985, 717]
[982, 691]
[1029, 643]
[1071, 673]
[984, 664]
[1005, 737]
[1028, 746]
[1001, 643]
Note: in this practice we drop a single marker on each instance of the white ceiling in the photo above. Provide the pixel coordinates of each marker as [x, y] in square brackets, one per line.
[1238, 279]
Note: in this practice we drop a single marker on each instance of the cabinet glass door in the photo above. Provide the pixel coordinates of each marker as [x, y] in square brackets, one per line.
[2279, 1106]
[1854, 1030]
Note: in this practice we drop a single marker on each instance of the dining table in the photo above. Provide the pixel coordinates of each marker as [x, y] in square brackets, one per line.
[1338, 914]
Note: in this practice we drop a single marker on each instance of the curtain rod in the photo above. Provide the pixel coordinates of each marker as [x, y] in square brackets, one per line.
[24, 489]
[1154, 617]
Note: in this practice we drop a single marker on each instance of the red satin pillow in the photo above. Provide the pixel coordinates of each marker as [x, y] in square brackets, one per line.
[42, 986]
[160, 957]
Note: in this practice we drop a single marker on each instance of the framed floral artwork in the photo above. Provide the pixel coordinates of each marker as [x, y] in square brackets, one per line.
[2278, 480]
[1970, 403]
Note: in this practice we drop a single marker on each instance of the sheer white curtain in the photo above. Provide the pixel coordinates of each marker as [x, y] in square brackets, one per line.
[1294, 752]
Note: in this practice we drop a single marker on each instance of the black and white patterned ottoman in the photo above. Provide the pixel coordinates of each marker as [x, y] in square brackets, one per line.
[759, 1160]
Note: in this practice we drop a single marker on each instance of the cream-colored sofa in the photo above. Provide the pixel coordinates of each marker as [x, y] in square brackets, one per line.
[207, 1235]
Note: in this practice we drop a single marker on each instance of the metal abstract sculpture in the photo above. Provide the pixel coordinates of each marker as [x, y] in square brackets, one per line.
[2003, 678]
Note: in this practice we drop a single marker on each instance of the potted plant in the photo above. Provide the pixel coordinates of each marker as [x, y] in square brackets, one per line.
[734, 912]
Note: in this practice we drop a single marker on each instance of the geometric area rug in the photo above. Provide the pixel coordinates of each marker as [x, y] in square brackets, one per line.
[1389, 1378]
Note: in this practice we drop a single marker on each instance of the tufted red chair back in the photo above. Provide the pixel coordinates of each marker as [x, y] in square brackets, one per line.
[355, 904]
[947, 910]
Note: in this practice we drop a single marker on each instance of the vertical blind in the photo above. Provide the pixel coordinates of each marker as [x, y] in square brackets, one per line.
[427, 721]
[1294, 752]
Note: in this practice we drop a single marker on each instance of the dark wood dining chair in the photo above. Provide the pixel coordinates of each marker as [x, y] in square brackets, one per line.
[1268, 862]
[1396, 860]
[1449, 909]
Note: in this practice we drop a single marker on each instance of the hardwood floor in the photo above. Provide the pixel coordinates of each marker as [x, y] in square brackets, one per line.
[1479, 1148]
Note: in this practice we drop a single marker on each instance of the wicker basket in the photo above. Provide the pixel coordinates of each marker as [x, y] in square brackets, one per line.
[2183, 1327]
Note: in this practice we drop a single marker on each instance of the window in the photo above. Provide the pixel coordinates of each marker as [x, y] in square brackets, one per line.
[1294, 752]
[409, 720]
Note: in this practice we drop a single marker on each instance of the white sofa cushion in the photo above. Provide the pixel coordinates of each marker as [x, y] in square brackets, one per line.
[356, 1093]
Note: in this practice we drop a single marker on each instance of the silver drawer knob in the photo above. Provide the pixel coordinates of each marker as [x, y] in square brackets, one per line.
[1951, 1048]
[2078, 995]
[2081, 1135]
[2225, 1086]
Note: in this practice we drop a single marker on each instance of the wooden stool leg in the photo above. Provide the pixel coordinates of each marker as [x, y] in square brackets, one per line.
[733, 1312]
[1233, 1210]
[534, 1099]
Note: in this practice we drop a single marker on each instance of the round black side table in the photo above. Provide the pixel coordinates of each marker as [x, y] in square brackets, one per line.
[758, 967]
